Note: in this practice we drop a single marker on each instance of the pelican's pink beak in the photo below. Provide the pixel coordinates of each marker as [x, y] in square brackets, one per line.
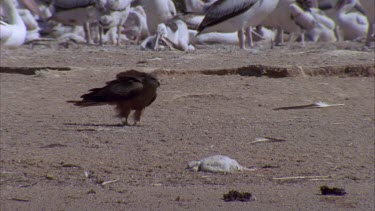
[359, 8]
[33, 7]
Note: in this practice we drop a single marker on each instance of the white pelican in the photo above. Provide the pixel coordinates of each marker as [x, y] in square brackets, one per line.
[135, 26]
[353, 25]
[175, 33]
[281, 18]
[260, 33]
[31, 25]
[114, 14]
[236, 15]
[324, 29]
[213, 38]
[12, 32]
[302, 18]
[158, 11]
[74, 12]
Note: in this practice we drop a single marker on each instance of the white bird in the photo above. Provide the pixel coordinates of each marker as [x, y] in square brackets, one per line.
[158, 11]
[236, 15]
[280, 18]
[135, 26]
[324, 29]
[31, 25]
[76, 12]
[260, 33]
[213, 38]
[12, 32]
[113, 16]
[175, 33]
[353, 25]
[303, 18]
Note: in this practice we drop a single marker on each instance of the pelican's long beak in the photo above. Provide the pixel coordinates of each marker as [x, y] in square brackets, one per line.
[325, 5]
[33, 7]
[158, 36]
[359, 8]
[339, 4]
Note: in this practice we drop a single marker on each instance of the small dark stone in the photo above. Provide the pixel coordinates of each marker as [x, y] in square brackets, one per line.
[234, 195]
[325, 190]
[91, 191]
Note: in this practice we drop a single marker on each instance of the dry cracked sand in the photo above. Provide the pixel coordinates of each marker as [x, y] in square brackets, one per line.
[215, 100]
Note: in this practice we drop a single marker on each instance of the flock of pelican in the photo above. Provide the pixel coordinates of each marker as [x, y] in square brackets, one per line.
[155, 24]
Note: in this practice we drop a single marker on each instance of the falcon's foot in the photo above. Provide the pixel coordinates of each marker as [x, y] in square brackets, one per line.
[138, 123]
[125, 122]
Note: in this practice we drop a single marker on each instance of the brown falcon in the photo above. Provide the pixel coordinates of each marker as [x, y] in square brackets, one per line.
[132, 90]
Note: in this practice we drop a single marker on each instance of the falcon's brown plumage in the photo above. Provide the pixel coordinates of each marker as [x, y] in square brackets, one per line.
[132, 90]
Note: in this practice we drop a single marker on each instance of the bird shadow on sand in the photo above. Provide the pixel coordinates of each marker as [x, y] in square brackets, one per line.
[310, 106]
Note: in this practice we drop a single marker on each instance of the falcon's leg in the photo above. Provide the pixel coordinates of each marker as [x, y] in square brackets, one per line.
[125, 121]
[137, 117]
[123, 112]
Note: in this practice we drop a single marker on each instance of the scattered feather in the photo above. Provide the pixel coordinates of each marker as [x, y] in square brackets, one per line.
[318, 104]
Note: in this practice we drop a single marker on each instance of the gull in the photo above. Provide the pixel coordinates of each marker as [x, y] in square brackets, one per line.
[158, 11]
[236, 15]
[352, 24]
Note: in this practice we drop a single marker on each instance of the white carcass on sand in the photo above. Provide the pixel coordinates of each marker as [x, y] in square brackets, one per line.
[216, 164]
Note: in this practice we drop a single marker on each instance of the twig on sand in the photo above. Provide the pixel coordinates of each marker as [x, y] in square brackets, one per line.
[6, 172]
[266, 139]
[109, 182]
[304, 177]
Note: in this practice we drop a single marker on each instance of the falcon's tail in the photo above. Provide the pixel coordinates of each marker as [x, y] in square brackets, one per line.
[84, 103]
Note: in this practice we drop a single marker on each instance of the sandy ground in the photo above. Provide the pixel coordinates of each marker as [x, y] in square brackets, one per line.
[207, 104]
